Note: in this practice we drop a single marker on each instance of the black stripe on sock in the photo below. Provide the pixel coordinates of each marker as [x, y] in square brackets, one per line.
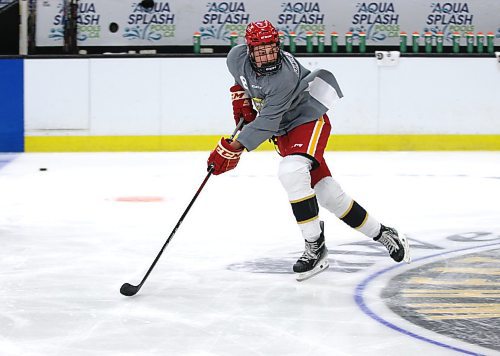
[355, 217]
[306, 209]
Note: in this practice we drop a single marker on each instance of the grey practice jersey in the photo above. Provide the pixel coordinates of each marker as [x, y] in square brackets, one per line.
[290, 97]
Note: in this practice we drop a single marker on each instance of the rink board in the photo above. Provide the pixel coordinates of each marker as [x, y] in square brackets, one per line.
[205, 143]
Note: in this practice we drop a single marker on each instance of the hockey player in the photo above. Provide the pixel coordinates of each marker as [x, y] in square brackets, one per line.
[290, 108]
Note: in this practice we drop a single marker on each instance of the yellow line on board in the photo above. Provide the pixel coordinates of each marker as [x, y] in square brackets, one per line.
[208, 142]
[119, 143]
[414, 142]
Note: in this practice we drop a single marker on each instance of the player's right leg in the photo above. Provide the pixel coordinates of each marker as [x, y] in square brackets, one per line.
[295, 178]
[302, 149]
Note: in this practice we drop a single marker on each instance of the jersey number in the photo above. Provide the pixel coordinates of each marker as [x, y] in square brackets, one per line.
[244, 82]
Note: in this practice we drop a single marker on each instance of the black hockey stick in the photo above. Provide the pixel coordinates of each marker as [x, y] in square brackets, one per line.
[129, 289]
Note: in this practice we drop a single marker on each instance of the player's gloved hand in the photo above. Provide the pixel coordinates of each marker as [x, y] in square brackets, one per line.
[223, 157]
[242, 105]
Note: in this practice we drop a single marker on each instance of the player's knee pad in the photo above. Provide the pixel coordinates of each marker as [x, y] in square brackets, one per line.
[333, 198]
[295, 177]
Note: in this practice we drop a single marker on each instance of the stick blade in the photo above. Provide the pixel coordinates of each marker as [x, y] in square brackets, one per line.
[129, 290]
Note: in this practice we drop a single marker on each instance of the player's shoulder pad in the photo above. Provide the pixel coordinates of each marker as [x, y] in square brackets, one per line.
[294, 64]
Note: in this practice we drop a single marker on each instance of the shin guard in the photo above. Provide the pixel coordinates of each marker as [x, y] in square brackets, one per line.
[331, 196]
[296, 179]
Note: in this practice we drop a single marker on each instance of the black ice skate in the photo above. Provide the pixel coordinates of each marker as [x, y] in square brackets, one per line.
[396, 243]
[314, 259]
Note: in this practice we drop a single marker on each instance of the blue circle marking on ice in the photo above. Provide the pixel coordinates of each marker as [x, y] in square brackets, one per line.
[360, 288]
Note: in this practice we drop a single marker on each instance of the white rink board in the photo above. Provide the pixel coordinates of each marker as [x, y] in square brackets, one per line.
[57, 94]
[190, 96]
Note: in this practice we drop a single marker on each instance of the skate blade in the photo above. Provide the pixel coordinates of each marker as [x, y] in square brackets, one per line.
[406, 244]
[320, 267]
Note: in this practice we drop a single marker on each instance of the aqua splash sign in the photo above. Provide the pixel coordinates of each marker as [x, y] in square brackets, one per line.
[173, 22]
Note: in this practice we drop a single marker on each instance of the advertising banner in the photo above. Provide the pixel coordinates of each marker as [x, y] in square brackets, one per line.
[126, 23]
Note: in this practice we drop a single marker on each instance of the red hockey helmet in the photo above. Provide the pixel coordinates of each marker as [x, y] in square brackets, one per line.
[262, 33]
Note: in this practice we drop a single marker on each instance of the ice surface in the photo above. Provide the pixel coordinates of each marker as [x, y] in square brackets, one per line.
[224, 285]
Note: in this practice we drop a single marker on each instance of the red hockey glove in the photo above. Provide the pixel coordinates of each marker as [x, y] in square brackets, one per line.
[242, 105]
[223, 157]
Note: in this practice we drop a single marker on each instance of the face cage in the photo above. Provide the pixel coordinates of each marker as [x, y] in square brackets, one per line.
[268, 68]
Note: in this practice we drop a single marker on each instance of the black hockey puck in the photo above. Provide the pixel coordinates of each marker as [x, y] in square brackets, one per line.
[43, 169]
